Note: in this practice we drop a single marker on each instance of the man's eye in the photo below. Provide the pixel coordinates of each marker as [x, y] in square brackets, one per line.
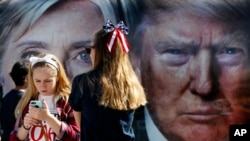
[230, 51]
[175, 51]
[175, 57]
[230, 56]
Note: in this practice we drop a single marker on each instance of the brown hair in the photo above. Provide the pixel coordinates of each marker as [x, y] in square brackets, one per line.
[121, 87]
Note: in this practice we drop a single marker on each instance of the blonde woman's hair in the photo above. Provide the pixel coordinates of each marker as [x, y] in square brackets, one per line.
[63, 86]
[121, 88]
[18, 16]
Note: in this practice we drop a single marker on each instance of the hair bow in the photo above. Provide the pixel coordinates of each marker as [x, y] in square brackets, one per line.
[46, 58]
[118, 31]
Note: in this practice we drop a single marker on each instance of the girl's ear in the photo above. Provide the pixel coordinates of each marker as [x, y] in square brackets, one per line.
[26, 79]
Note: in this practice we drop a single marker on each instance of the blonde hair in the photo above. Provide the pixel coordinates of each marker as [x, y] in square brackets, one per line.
[121, 88]
[18, 16]
[63, 86]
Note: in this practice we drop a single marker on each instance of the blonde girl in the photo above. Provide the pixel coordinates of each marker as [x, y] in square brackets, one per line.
[48, 84]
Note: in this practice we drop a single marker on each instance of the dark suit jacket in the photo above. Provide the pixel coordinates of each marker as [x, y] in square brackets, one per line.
[139, 125]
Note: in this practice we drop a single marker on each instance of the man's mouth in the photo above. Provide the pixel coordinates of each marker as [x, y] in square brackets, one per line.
[203, 116]
[209, 111]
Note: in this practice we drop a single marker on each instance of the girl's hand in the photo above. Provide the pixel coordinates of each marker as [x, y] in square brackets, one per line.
[29, 121]
[40, 113]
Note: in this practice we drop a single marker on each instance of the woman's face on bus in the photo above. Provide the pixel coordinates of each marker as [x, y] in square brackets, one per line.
[63, 31]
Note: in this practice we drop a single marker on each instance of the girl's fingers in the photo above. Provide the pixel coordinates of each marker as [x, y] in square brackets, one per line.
[28, 120]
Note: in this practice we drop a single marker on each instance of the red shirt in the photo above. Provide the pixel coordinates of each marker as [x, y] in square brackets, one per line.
[69, 129]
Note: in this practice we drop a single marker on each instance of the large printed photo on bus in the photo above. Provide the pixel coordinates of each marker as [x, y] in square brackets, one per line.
[191, 56]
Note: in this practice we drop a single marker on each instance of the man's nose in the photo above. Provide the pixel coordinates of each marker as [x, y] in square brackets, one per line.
[201, 77]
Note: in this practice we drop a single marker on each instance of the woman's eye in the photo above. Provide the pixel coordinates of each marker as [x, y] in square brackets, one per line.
[26, 55]
[82, 56]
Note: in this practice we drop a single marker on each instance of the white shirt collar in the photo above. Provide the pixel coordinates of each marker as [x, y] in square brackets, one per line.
[152, 131]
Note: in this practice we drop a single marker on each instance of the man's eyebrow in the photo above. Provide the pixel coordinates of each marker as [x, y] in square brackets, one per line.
[235, 37]
[80, 44]
[175, 43]
[38, 44]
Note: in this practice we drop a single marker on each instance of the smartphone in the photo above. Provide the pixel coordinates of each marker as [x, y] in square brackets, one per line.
[36, 103]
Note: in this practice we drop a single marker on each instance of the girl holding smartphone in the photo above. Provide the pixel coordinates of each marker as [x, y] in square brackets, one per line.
[49, 84]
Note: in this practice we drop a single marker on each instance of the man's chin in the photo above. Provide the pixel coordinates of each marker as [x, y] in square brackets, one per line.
[200, 132]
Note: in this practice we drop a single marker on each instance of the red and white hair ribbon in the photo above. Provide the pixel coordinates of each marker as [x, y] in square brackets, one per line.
[117, 33]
